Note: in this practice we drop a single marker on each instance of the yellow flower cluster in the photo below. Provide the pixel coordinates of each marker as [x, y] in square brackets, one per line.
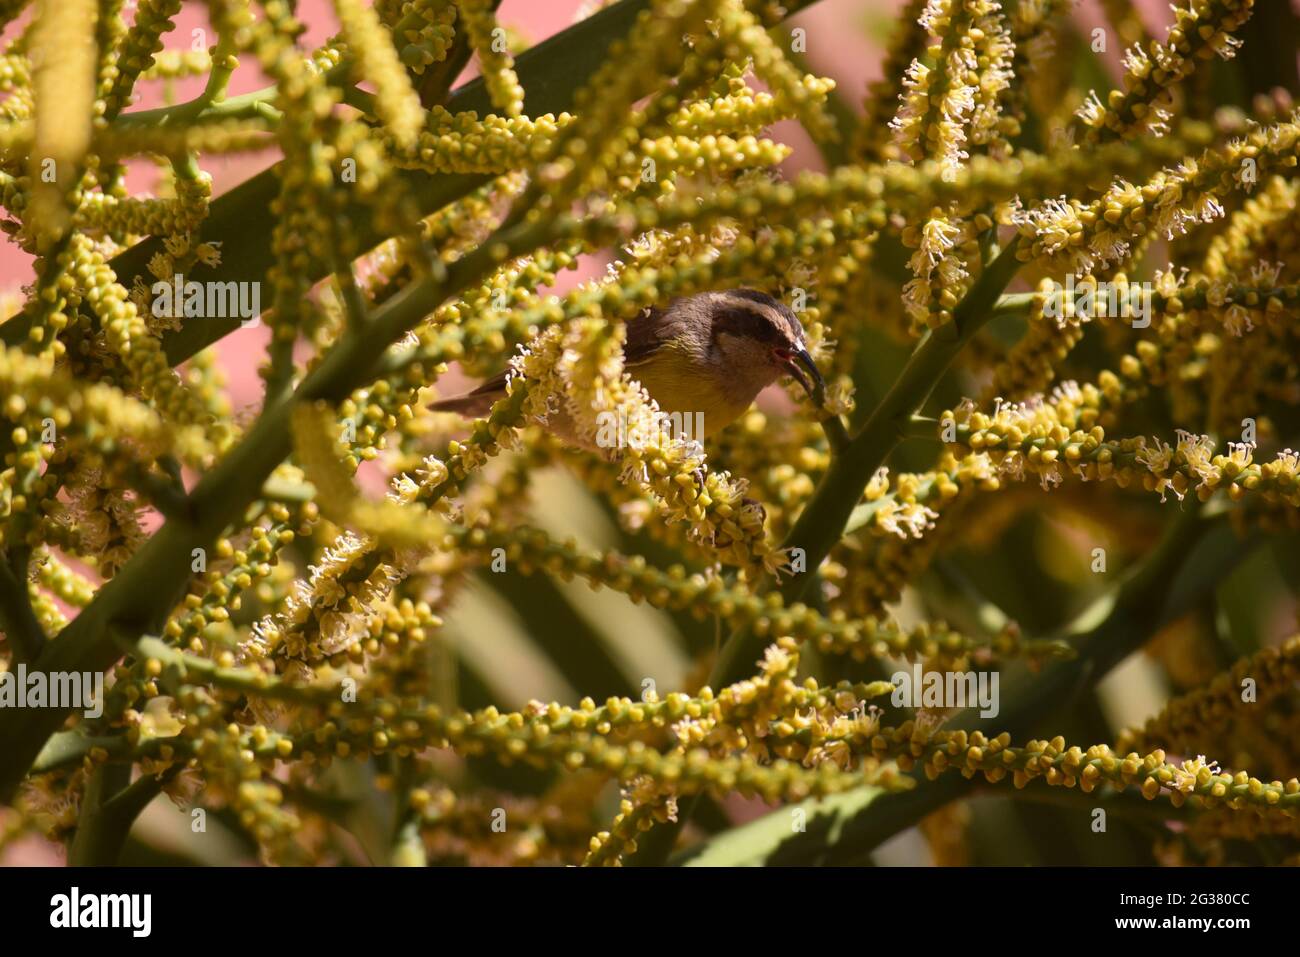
[375, 59]
[1200, 30]
[62, 87]
[177, 64]
[147, 217]
[743, 111]
[907, 43]
[1251, 681]
[1050, 438]
[1062, 766]
[703, 596]
[465, 144]
[580, 738]
[957, 99]
[99, 410]
[742, 35]
[1070, 236]
[127, 335]
[320, 454]
[427, 29]
[943, 247]
[488, 41]
[139, 49]
[263, 613]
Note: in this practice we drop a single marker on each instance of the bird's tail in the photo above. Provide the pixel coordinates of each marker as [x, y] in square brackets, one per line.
[470, 405]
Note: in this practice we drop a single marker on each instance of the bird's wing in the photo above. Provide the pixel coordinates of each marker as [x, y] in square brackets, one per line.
[645, 335]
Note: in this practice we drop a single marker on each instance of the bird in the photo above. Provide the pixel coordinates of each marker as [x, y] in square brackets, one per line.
[703, 358]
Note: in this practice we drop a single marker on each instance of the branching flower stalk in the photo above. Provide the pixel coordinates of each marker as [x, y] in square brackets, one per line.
[260, 612]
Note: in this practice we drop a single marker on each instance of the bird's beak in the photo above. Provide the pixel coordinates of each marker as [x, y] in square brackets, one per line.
[812, 382]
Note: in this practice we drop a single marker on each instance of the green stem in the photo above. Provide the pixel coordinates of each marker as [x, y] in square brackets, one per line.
[224, 63]
[26, 637]
[837, 435]
[166, 494]
[407, 845]
[109, 807]
[922, 427]
[107, 814]
[1126, 805]
[69, 747]
[1014, 304]
[246, 106]
[235, 679]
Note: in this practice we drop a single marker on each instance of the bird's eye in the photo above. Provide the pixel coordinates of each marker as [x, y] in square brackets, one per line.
[785, 355]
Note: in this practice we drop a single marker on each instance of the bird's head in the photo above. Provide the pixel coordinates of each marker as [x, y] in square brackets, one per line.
[759, 336]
